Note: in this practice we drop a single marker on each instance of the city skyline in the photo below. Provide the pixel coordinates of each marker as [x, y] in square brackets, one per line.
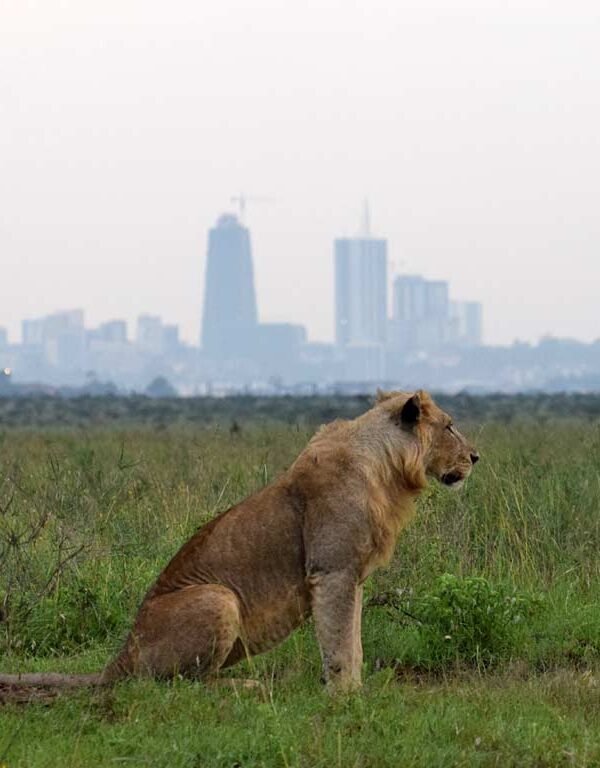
[235, 347]
[227, 226]
[101, 315]
[128, 126]
[424, 337]
[365, 298]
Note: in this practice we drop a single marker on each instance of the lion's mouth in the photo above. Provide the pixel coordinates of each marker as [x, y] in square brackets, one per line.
[451, 478]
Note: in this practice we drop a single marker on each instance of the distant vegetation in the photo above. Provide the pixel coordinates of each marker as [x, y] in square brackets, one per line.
[164, 411]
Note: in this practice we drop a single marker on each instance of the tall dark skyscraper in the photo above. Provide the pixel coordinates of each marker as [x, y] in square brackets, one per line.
[230, 325]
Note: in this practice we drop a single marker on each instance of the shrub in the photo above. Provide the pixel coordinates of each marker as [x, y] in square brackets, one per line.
[468, 620]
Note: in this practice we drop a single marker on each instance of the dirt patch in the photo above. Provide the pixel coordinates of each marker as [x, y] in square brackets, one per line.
[21, 694]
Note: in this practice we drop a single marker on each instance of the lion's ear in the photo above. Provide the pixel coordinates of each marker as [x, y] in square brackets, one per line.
[411, 411]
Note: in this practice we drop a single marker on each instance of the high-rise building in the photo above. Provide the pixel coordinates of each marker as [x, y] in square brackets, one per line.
[467, 322]
[420, 314]
[149, 334]
[113, 331]
[32, 332]
[409, 301]
[473, 323]
[60, 336]
[38, 331]
[154, 337]
[418, 299]
[230, 324]
[360, 291]
[170, 339]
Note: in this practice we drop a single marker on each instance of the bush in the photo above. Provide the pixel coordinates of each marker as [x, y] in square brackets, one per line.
[468, 620]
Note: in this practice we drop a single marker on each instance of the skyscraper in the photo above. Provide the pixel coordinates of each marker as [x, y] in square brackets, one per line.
[114, 331]
[61, 337]
[149, 333]
[361, 303]
[418, 299]
[360, 290]
[229, 326]
[421, 314]
[467, 319]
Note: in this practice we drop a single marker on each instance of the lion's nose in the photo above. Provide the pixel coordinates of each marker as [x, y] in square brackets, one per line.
[474, 458]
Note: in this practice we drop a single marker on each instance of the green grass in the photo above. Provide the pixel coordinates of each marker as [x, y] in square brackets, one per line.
[482, 638]
[546, 720]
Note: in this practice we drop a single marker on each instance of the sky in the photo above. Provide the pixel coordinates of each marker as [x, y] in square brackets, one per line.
[473, 128]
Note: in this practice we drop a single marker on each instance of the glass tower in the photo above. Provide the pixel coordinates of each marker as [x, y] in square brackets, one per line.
[360, 291]
[230, 325]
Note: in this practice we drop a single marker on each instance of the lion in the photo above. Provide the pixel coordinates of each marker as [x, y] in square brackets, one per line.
[302, 546]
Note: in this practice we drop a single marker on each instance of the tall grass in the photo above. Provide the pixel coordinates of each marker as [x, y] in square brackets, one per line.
[89, 518]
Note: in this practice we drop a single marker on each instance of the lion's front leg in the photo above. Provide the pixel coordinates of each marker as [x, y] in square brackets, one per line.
[335, 597]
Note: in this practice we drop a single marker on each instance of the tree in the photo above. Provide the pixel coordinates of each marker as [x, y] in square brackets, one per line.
[161, 387]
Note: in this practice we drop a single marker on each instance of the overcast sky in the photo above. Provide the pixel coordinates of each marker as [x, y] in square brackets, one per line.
[472, 127]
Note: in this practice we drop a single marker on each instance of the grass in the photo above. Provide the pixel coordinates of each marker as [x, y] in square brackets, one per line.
[505, 720]
[482, 638]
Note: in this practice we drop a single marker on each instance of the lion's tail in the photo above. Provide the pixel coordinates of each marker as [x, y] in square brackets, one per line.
[49, 680]
[33, 686]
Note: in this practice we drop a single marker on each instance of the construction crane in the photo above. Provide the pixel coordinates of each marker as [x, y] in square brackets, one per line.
[241, 200]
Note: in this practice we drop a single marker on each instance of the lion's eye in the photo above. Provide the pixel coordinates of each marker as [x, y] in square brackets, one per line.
[449, 427]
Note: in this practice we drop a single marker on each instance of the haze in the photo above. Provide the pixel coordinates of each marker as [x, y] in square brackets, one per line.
[473, 129]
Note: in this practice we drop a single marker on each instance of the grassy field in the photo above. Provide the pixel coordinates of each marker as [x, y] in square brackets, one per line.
[482, 638]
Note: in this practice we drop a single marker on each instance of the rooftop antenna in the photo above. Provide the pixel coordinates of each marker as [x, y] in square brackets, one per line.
[366, 219]
[241, 200]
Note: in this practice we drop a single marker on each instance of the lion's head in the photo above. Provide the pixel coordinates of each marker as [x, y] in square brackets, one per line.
[444, 453]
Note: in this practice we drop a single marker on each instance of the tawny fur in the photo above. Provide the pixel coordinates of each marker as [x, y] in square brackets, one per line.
[303, 545]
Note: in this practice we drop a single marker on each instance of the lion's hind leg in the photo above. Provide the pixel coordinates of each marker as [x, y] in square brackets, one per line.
[190, 631]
